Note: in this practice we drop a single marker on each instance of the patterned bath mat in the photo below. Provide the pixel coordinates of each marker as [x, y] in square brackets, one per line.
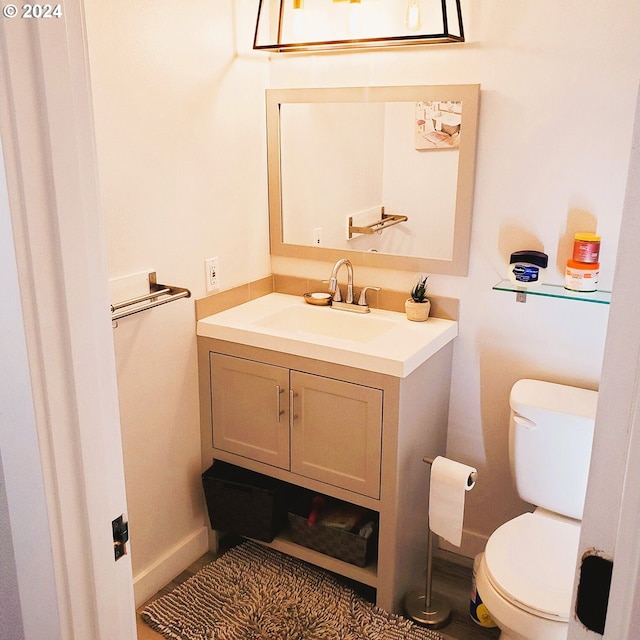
[255, 593]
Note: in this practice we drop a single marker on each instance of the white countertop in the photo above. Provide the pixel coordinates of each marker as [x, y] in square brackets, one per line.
[381, 341]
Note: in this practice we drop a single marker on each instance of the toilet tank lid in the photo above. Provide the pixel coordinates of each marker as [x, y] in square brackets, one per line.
[530, 394]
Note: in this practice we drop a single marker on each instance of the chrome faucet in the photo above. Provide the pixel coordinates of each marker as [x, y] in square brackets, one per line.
[333, 281]
[348, 304]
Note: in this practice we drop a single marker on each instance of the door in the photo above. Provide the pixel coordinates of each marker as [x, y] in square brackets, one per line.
[74, 465]
[336, 432]
[612, 508]
[250, 409]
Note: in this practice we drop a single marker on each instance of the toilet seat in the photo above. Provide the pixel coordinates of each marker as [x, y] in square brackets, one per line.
[531, 561]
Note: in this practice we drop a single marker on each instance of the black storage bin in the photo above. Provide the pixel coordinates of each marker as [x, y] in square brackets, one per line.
[244, 502]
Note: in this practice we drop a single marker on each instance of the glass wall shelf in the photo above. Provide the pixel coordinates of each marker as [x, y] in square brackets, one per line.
[554, 291]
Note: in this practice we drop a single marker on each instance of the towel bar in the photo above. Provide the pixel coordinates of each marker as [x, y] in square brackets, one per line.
[386, 220]
[158, 294]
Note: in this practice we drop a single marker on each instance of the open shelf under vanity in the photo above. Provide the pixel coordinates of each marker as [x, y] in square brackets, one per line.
[284, 542]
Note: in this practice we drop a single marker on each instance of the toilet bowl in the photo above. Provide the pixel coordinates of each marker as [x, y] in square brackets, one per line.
[527, 571]
[525, 577]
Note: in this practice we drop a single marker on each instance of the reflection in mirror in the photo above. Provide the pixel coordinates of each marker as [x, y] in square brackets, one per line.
[383, 175]
[349, 162]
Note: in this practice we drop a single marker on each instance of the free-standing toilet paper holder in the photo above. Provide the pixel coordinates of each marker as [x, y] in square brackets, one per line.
[426, 607]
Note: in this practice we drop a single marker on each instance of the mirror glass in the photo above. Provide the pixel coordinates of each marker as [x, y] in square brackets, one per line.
[382, 175]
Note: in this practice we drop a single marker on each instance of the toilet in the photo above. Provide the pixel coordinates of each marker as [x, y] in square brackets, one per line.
[526, 574]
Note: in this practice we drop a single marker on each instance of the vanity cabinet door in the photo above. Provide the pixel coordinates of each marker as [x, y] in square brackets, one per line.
[250, 409]
[336, 432]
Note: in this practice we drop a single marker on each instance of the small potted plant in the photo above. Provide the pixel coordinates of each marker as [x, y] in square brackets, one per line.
[417, 307]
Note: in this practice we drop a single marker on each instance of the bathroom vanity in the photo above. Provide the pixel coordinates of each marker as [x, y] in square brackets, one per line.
[345, 405]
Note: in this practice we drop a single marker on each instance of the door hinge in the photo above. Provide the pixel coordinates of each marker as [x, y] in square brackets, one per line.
[120, 536]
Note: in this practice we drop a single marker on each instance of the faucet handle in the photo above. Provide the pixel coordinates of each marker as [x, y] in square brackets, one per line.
[362, 300]
[334, 288]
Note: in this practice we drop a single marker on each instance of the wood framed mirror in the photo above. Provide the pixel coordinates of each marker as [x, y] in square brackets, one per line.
[383, 176]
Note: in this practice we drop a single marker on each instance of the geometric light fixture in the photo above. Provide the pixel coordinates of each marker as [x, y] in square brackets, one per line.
[321, 25]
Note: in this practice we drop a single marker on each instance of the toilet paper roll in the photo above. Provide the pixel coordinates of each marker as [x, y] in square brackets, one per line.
[450, 481]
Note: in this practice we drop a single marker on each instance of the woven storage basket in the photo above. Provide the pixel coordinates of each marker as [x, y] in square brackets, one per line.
[343, 545]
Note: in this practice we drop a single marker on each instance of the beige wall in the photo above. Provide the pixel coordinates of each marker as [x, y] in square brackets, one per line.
[179, 110]
[549, 162]
[180, 131]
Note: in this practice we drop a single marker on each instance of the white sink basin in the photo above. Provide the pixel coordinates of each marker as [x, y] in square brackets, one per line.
[382, 341]
[327, 322]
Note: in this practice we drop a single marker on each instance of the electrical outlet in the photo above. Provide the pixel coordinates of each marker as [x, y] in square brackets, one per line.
[212, 274]
[317, 235]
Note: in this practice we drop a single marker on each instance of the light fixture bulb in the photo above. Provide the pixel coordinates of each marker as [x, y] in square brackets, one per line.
[413, 16]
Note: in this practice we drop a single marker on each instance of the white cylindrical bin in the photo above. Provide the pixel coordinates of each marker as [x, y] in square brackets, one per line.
[477, 610]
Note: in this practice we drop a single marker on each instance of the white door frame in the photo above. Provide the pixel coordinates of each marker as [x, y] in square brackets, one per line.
[46, 125]
[611, 520]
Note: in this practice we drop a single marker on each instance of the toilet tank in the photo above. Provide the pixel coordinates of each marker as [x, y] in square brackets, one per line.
[550, 437]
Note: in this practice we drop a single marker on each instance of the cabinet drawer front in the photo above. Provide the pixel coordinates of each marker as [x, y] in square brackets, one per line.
[336, 433]
[250, 411]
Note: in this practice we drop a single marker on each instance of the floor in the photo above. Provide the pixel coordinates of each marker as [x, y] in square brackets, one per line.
[450, 579]
[454, 582]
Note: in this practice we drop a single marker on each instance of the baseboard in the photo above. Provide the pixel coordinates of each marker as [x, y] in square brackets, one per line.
[472, 544]
[148, 582]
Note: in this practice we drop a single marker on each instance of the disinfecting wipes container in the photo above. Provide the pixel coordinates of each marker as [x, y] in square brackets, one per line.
[477, 610]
